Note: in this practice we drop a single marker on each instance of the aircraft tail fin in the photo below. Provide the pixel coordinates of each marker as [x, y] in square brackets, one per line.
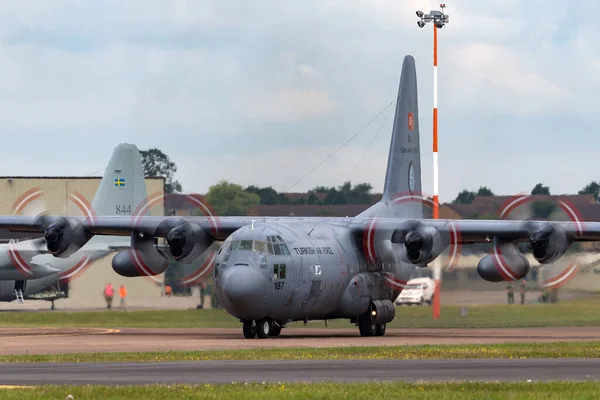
[402, 192]
[123, 186]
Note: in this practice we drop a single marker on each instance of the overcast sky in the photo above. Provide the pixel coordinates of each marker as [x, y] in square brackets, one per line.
[261, 92]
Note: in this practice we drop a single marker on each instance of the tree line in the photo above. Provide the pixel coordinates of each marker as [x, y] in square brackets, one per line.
[232, 199]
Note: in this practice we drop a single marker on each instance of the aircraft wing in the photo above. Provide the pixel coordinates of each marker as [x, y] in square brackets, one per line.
[467, 231]
[417, 241]
[219, 228]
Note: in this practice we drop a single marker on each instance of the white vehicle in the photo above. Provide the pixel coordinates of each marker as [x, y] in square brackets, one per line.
[417, 291]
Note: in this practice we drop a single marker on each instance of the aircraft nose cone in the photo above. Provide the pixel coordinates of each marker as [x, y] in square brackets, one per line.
[244, 289]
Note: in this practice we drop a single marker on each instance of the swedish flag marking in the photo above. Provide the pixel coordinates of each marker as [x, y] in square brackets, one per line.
[119, 182]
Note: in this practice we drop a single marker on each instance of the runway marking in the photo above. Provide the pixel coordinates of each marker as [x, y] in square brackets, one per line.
[99, 332]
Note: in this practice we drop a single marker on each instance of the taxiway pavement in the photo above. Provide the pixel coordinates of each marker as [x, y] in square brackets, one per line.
[87, 340]
[299, 371]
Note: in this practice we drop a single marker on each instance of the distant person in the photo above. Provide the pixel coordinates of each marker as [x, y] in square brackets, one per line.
[109, 292]
[545, 296]
[201, 288]
[510, 293]
[522, 291]
[553, 295]
[122, 294]
[168, 291]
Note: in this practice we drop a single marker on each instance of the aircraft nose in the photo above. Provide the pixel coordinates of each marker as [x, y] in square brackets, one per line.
[244, 288]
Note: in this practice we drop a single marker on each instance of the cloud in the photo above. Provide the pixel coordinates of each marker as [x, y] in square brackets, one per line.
[261, 93]
[289, 105]
[500, 80]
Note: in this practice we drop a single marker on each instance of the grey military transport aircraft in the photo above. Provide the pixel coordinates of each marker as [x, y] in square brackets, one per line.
[28, 271]
[273, 271]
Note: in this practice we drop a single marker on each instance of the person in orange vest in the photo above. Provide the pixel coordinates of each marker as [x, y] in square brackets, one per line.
[108, 295]
[168, 291]
[122, 294]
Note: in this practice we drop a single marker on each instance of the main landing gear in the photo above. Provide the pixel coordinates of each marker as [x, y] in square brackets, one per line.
[367, 326]
[262, 329]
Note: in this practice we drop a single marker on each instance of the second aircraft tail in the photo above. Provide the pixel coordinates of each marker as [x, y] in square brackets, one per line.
[123, 186]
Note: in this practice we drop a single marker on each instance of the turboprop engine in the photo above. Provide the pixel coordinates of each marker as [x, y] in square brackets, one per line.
[64, 236]
[422, 244]
[549, 243]
[187, 242]
[506, 263]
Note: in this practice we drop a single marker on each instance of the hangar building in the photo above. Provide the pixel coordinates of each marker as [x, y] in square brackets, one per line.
[55, 198]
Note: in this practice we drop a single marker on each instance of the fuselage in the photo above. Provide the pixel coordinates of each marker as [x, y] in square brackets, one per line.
[23, 268]
[290, 271]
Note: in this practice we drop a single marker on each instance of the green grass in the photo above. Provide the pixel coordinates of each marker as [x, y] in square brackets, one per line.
[580, 312]
[371, 391]
[507, 350]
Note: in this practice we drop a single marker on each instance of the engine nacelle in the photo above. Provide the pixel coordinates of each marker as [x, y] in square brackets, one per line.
[506, 263]
[549, 243]
[133, 263]
[142, 259]
[187, 242]
[422, 245]
[65, 236]
[384, 311]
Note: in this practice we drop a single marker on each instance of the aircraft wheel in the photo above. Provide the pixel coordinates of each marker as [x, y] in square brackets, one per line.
[275, 330]
[366, 326]
[379, 329]
[263, 328]
[249, 330]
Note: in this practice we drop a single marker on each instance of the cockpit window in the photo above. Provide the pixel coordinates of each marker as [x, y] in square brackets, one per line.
[273, 245]
[245, 245]
[256, 245]
[259, 246]
[277, 246]
[225, 247]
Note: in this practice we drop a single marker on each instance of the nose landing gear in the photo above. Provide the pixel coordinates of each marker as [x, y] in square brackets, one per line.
[262, 329]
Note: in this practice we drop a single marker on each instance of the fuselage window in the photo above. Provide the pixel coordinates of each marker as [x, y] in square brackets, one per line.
[277, 249]
[270, 248]
[284, 250]
[279, 271]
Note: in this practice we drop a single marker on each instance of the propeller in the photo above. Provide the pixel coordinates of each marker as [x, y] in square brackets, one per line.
[23, 254]
[560, 270]
[180, 275]
[414, 243]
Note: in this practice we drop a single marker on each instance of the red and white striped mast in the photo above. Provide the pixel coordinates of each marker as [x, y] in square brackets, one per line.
[439, 19]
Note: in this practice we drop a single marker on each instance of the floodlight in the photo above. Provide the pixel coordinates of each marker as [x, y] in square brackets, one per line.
[420, 14]
[439, 25]
[421, 24]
